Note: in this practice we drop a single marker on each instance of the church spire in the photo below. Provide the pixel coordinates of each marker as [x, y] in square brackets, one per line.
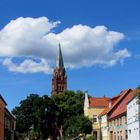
[59, 80]
[59, 61]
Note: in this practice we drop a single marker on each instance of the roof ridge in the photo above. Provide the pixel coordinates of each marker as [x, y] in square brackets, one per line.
[101, 97]
[121, 95]
[119, 99]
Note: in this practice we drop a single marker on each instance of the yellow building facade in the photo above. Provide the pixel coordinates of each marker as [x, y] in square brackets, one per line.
[92, 109]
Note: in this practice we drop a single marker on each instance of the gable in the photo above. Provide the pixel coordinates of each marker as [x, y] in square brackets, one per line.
[121, 106]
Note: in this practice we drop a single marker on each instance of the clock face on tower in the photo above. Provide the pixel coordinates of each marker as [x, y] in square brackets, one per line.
[59, 80]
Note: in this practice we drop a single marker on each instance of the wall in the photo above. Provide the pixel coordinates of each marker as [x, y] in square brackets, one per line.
[9, 125]
[133, 120]
[94, 111]
[118, 127]
[2, 107]
[104, 127]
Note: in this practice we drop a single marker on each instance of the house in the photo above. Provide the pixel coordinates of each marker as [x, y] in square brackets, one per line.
[2, 112]
[113, 119]
[133, 117]
[117, 117]
[9, 125]
[104, 118]
[92, 108]
[7, 122]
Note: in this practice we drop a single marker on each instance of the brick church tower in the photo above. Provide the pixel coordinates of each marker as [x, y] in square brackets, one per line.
[59, 80]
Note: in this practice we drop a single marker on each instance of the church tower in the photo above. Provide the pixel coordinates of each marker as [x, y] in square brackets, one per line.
[59, 80]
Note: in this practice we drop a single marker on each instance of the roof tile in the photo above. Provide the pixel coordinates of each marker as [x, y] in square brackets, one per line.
[120, 106]
[98, 102]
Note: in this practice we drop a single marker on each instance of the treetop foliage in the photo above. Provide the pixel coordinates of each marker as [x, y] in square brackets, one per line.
[48, 115]
[138, 87]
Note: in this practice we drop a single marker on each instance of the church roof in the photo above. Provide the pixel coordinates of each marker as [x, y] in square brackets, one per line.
[59, 61]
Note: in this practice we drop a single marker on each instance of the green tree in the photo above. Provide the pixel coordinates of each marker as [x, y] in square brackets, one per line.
[138, 94]
[68, 105]
[30, 113]
[49, 115]
[138, 87]
[76, 125]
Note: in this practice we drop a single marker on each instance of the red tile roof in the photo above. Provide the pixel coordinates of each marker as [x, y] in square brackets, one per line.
[115, 100]
[135, 93]
[105, 111]
[120, 106]
[98, 102]
[112, 100]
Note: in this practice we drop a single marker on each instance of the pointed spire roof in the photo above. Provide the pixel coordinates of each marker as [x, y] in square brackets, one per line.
[59, 61]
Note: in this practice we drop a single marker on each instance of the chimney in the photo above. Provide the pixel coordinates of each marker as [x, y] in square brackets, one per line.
[110, 103]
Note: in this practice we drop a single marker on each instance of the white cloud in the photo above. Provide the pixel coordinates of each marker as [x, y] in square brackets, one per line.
[28, 66]
[81, 45]
[86, 46]
[24, 37]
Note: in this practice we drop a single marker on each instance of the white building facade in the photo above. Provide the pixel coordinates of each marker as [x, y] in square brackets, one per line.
[104, 127]
[133, 119]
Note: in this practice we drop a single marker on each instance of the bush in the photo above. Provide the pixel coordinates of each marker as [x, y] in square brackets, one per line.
[89, 137]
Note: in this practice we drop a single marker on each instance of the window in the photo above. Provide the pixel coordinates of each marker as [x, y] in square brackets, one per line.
[111, 123]
[121, 121]
[117, 121]
[126, 134]
[95, 118]
[114, 135]
[125, 119]
[62, 88]
[120, 135]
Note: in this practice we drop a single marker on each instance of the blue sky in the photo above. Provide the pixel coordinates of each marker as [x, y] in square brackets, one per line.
[101, 67]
